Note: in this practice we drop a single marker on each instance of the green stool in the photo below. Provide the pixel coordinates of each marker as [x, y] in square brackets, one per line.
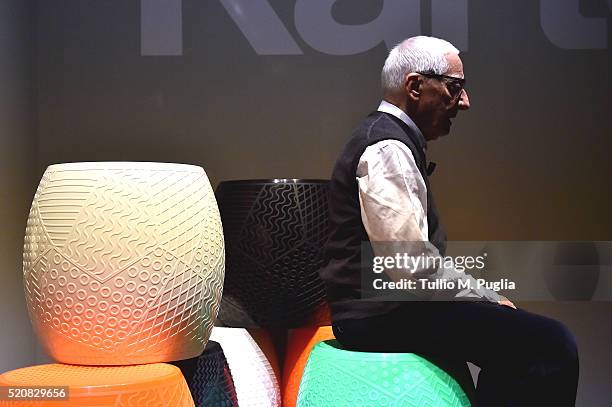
[337, 377]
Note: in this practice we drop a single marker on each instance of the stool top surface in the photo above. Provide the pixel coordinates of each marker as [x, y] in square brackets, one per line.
[333, 349]
[124, 165]
[92, 377]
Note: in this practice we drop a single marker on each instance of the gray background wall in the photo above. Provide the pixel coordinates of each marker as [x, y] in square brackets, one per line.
[211, 83]
[17, 176]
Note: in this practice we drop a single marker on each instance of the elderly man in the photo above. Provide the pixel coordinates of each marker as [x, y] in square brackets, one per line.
[380, 193]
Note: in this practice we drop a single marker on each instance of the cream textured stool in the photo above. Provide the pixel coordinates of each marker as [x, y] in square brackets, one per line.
[123, 262]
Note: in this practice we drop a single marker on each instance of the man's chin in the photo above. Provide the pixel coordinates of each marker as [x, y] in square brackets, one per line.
[435, 135]
[445, 130]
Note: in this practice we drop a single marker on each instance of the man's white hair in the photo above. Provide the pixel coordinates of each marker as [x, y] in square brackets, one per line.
[416, 54]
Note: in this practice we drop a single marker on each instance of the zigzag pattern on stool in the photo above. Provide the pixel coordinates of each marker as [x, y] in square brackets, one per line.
[209, 378]
[275, 233]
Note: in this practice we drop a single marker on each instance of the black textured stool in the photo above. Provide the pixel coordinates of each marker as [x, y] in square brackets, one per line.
[209, 378]
[275, 231]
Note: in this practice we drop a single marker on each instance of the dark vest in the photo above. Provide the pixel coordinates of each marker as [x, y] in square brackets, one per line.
[343, 250]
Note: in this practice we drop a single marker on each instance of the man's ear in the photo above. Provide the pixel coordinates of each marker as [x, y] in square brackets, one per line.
[412, 85]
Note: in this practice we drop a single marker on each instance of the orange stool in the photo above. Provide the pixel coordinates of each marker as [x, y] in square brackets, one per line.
[300, 343]
[138, 386]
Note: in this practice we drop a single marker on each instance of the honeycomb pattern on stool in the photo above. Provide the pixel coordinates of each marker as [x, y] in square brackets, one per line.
[124, 386]
[254, 379]
[123, 262]
[336, 377]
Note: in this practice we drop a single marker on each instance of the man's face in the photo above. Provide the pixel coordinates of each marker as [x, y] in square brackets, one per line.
[441, 99]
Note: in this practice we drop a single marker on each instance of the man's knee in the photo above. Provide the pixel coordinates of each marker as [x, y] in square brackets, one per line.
[560, 343]
[570, 345]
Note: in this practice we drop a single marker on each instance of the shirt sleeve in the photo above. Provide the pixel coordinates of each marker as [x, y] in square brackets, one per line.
[393, 201]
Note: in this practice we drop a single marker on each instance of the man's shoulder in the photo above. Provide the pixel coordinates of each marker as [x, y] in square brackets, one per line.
[378, 121]
[378, 126]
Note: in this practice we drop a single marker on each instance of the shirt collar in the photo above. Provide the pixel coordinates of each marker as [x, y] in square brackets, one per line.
[393, 110]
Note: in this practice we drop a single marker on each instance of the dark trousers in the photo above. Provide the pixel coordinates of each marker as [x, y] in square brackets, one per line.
[526, 359]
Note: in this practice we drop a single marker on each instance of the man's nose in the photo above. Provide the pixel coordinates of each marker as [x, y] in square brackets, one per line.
[464, 100]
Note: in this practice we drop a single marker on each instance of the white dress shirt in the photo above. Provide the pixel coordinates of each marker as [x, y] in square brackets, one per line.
[393, 200]
[392, 192]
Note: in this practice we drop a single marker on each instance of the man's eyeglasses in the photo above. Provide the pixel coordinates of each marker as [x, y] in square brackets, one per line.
[453, 84]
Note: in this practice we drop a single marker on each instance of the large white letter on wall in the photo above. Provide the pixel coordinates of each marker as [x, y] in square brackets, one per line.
[261, 26]
[398, 19]
[566, 28]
